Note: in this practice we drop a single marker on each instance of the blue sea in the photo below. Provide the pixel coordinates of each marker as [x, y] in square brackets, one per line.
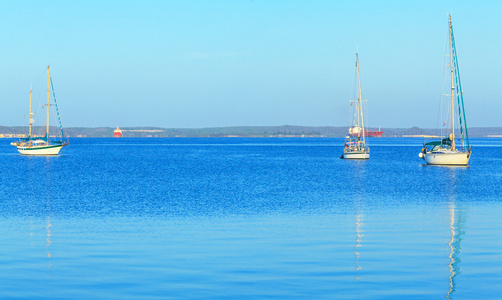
[249, 218]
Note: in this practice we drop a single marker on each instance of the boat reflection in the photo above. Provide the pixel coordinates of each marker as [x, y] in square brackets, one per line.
[47, 246]
[359, 232]
[457, 232]
[359, 186]
[457, 221]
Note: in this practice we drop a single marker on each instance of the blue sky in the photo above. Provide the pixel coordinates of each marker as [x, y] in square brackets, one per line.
[198, 64]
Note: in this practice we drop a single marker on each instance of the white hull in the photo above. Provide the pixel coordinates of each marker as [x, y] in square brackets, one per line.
[447, 158]
[356, 155]
[40, 150]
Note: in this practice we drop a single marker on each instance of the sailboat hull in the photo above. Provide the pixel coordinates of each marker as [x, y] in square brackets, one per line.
[447, 158]
[40, 150]
[356, 155]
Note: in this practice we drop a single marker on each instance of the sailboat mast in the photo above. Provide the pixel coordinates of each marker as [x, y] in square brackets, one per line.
[357, 116]
[359, 100]
[47, 131]
[452, 88]
[29, 118]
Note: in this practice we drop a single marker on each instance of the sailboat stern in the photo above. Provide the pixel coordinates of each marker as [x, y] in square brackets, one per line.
[356, 155]
[451, 158]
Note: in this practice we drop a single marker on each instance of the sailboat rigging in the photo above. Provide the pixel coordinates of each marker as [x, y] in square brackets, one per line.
[445, 150]
[42, 145]
[355, 142]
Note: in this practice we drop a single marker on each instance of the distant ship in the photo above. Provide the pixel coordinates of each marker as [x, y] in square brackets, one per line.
[117, 132]
[354, 131]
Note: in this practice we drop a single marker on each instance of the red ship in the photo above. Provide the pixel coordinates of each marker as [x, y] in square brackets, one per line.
[117, 132]
[354, 131]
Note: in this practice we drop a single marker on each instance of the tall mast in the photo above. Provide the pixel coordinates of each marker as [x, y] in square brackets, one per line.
[29, 118]
[357, 115]
[452, 88]
[47, 131]
[359, 100]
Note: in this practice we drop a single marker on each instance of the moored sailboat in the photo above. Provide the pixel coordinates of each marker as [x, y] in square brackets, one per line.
[42, 145]
[445, 151]
[355, 144]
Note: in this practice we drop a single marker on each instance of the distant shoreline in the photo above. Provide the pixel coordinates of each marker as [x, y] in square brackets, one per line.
[237, 137]
[283, 131]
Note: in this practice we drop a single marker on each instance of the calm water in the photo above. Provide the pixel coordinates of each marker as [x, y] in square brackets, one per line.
[249, 218]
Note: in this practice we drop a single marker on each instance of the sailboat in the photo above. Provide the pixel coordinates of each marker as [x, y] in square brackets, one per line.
[445, 151]
[42, 145]
[355, 142]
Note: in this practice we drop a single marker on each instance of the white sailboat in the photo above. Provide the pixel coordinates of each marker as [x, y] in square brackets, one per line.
[355, 142]
[445, 151]
[41, 145]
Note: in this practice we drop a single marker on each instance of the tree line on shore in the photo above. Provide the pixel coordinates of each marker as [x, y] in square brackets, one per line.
[240, 131]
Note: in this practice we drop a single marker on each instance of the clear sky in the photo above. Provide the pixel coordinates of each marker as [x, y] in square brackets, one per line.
[262, 62]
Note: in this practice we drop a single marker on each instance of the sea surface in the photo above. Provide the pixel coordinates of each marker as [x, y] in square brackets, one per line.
[249, 218]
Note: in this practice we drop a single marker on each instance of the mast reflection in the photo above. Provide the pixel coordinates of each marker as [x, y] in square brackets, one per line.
[359, 186]
[457, 221]
[360, 235]
[457, 232]
[48, 228]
